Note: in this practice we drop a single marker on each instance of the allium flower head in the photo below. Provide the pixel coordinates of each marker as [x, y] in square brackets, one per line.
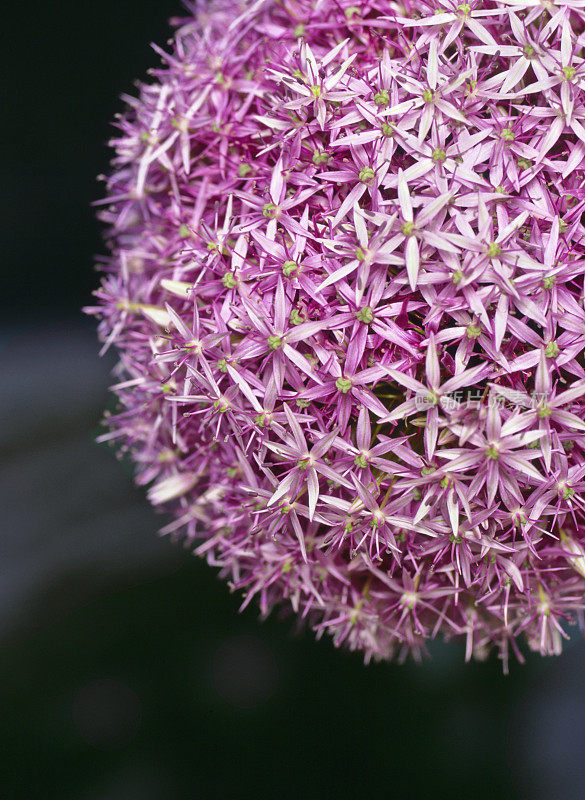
[346, 285]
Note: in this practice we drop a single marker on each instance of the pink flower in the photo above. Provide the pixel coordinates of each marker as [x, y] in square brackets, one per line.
[346, 285]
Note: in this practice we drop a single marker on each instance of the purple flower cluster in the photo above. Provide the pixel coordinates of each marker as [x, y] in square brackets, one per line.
[346, 284]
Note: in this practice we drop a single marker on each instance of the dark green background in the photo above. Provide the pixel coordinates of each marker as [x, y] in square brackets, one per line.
[125, 671]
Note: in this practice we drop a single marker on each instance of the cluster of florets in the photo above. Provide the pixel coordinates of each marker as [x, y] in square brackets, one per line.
[346, 284]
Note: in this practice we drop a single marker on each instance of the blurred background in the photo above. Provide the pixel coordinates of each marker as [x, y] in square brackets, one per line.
[126, 672]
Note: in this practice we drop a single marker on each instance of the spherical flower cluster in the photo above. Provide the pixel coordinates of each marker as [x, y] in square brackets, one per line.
[346, 285]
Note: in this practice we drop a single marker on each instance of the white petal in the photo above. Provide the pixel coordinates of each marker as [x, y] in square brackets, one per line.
[412, 261]
[178, 288]
[171, 487]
